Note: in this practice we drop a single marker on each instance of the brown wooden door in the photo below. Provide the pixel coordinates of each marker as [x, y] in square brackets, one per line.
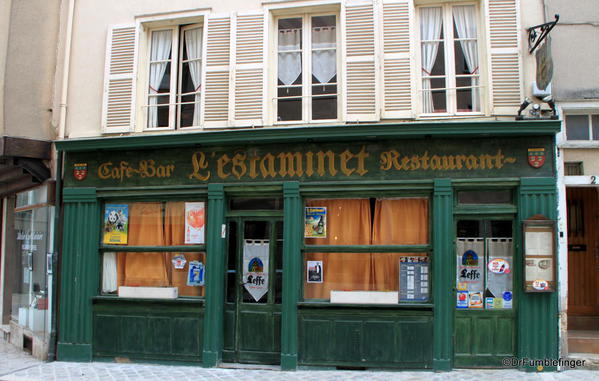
[583, 251]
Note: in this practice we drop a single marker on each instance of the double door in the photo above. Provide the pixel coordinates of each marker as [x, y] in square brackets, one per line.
[254, 290]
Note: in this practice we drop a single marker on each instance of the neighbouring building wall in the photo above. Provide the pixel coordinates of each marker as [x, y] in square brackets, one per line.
[33, 27]
[574, 40]
[589, 158]
[4, 17]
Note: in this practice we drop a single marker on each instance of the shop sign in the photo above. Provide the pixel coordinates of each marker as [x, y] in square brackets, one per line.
[405, 159]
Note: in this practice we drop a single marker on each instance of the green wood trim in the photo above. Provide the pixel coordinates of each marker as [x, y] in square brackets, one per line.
[292, 268]
[485, 209]
[317, 133]
[443, 279]
[442, 365]
[157, 249]
[74, 352]
[196, 191]
[79, 194]
[255, 213]
[367, 249]
[117, 300]
[215, 280]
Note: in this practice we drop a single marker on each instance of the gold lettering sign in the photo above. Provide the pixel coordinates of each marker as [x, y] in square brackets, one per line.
[123, 170]
[394, 160]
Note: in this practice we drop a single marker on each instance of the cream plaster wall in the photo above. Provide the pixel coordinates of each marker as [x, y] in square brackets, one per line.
[30, 67]
[589, 158]
[4, 28]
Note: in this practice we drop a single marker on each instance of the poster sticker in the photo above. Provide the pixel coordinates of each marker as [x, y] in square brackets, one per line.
[462, 299]
[194, 223]
[315, 222]
[489, 303]
[507, 299]
[314, 272]
[476, 300]
[195, 274]
[179, 261]
[116, 224]
[499, 266]
[498, 303]
[540, 285]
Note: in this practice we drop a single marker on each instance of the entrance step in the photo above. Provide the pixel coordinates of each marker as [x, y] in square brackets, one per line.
[5, 333]
[591, 360]
[580, 341]
[583, 323]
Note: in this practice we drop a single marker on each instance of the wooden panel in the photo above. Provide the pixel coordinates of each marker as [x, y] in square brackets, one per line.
[255, 331]
[365, 338]
[140, 330]
[583, 266]
[484, 338]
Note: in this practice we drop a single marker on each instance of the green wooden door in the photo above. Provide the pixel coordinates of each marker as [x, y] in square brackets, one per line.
[253, 298]
[485, 315]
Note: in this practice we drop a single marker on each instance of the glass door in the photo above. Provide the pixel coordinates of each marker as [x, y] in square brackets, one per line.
[254, 290]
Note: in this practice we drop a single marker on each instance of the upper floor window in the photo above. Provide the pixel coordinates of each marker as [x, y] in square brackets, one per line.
[582, 127]
[307, 80]
[174, 77]
[449, 59]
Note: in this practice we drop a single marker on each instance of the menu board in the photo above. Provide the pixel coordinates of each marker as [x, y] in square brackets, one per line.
[413, 279]
[539, 255]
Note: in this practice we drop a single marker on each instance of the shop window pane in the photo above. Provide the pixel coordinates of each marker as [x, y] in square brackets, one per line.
[185, 271]
[470, 228]
[242, 203]
[485, 197]
[501, 228]
[577, 127]
[338, 272]
[35, 196]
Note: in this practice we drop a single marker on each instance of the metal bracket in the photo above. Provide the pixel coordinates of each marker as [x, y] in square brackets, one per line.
[541, 31]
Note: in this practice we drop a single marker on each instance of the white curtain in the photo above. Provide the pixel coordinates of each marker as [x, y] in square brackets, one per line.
[109, 275]
[324, 62]
[430, 29]
[161, 51]
[290, 62]
[193, 46]
[465, 23]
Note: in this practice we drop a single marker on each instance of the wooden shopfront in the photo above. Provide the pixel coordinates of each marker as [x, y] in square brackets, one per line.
[323, 246]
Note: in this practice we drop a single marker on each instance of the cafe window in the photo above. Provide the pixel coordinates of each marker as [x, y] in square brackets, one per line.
[381, 245]
[153, 245]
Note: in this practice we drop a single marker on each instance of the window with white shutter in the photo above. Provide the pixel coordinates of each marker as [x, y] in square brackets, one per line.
[449, 59]
[217, 71]
[174, 77]
[307, 66]
[119, 80]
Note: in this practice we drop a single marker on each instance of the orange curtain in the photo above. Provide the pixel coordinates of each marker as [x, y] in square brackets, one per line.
[145, 229]
[174, 226]
[396, 222]
[348, 223]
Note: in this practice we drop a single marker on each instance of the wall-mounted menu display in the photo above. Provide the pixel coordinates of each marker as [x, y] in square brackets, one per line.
[539, 255]
[413, 279]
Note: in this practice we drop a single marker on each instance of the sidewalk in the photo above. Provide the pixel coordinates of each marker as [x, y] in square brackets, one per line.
[18, 366]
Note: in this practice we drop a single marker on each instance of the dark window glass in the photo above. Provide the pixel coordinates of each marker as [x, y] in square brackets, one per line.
[485, 197]
[256, 204]
[595, 121]
[469, 228]
[577, 127]
[573, 169]
[500, 229]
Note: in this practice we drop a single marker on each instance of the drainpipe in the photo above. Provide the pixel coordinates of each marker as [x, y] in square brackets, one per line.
[65, 71]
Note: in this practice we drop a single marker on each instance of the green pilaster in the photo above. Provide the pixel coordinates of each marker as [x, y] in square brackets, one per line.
[442, 275]
[215, 281]
[291, 274]
[79, 273]
[537, 312]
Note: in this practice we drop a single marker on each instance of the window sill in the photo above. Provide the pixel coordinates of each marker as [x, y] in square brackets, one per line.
[326, 304]
[444, 115]
[116, 299]
[579, 144]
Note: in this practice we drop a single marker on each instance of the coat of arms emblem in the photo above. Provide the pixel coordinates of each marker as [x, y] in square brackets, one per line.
[536, 157]
[80, 171]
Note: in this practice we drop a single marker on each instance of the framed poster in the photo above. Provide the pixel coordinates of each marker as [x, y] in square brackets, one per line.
[116, 224]
[315, 222]
[539, 254]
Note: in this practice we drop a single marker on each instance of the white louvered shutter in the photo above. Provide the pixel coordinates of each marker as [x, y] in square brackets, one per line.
[360, 90]
[504, 58]
[397, 84]
[248, 91]
[118, 106]
[216, 89]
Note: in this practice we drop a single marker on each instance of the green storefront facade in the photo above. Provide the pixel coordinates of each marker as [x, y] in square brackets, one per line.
[472, 178]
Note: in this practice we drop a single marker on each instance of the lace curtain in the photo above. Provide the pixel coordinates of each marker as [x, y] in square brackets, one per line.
[465, 23]
[161, 51]
[430, 29]
[193, 47]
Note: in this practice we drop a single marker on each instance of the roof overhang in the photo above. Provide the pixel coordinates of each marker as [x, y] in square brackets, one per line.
[23, 163]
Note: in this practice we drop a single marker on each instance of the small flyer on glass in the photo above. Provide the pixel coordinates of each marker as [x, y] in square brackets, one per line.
[314, 272]
[315, 222]
[194, 223]
[195, 274]
[116, 224]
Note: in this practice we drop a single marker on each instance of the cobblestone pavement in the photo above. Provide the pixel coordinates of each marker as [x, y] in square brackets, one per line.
[18, 366]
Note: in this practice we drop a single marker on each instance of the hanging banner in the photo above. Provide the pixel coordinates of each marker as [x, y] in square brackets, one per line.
[315, 222]
[116, 225]
[194, 223]
[255, 267]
